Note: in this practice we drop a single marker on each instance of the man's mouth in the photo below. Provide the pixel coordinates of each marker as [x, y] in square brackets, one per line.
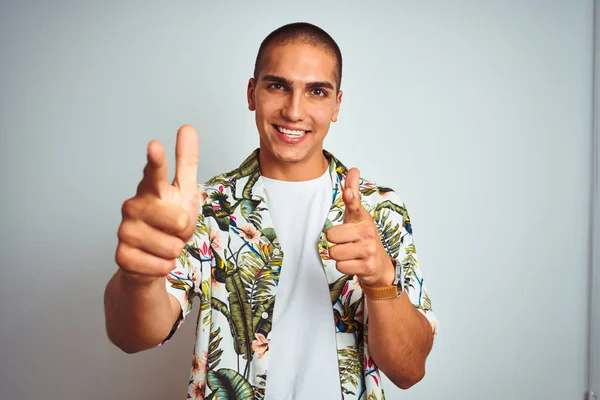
[291, 133]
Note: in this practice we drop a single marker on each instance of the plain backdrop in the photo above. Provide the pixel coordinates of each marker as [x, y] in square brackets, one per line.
[477, 112]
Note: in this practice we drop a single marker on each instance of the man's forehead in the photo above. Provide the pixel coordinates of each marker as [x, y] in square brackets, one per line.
[300, 63]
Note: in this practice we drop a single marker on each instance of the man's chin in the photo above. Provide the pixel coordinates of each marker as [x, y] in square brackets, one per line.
[290, 156]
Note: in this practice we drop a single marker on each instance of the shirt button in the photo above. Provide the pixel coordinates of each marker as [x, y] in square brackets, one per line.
[265, 315]
[276, 252]
[257, 380]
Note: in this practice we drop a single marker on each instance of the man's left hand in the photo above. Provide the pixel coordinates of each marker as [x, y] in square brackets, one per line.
[357, 247]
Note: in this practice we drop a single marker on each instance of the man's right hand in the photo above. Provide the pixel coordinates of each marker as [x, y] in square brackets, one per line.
[161, 217]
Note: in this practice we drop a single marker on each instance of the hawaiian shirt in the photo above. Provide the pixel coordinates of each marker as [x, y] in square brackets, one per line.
[232, 265]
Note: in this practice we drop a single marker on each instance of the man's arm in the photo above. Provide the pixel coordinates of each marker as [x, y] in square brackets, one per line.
[157, 221]
[400, 339]
[138, 316]
[399, 336]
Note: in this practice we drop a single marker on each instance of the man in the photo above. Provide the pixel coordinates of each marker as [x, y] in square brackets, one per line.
[292, 224]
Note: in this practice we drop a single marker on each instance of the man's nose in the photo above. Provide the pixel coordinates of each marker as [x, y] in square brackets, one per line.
[293, 109]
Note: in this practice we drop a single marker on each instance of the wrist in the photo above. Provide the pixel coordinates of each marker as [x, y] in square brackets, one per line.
[386, 278]
[390, 286]
[138, 282]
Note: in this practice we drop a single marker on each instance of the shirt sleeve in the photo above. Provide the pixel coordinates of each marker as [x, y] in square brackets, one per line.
[184, 282]
[414, 280]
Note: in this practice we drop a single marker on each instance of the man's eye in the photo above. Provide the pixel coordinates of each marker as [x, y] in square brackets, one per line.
[319, 92]
[276, 86]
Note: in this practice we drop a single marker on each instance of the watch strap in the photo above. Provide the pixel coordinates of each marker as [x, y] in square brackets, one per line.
[381, 292]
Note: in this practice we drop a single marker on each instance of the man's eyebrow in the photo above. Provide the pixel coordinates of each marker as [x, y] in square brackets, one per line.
[319, 85]
[277, 79]
[286, 82]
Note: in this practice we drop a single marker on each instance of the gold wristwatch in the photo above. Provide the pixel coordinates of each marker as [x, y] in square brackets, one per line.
[386, 292]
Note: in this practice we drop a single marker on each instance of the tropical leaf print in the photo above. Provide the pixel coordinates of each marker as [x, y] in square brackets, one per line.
[221, 180]
[240, 316]
[205, 301]
[388, 232]
[200, 228]
[351, 365]
[262, 319]
[370, 190]
[426, 301]
[269, 233]
[220, 216]
[346, 321]
[373, 396]
[409, 262]
[214, 353]
[249, 209]
[218, 305]
[259, 388]
[235, 235]
[252, 179]
[257, 278]
[219, 268]
[227, 384]
[392, 206]
[335, 288]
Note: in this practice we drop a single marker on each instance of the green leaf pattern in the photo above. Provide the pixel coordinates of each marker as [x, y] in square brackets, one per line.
[233, 264]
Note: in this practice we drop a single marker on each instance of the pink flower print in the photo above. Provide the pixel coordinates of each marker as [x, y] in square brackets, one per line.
[204, 250]
[376, 380]
[198, 390]
[215, 239]
[250, 233]
[368, 362]
[345, 289]
[261, 345]
[197, 282]
[203, 196]
[199, 363]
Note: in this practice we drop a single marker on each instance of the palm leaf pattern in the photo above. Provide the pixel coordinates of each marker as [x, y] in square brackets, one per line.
[351, 365]
[239, 275]
[228, 384]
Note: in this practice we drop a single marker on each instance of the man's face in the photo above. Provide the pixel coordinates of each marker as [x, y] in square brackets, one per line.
[295, 101]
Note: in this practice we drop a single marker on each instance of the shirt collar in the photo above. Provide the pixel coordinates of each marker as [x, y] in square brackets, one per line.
[251, 186]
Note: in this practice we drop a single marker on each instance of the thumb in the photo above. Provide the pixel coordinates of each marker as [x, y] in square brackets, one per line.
[351, 197]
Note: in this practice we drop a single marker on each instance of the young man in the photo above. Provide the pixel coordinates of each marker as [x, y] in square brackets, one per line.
[306, 273]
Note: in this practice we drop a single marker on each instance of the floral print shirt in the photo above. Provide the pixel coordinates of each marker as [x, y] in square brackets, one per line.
[232, 266]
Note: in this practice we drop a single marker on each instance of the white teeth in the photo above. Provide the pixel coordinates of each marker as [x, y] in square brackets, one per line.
[291, 133]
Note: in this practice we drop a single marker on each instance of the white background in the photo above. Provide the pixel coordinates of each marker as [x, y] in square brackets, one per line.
[477, 112]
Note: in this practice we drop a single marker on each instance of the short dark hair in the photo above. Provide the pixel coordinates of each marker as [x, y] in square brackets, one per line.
[301, 32]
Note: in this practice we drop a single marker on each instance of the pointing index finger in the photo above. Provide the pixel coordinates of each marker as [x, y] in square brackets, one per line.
[186, 159]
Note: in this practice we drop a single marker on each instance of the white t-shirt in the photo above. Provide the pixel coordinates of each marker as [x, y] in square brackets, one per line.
[303, 356]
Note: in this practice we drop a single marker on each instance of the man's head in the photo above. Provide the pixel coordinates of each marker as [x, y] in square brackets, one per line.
[295, 93]
[300, 32]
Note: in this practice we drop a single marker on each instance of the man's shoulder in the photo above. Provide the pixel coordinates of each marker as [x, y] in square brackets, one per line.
[221, 179]
[372, 191]
[227, 180]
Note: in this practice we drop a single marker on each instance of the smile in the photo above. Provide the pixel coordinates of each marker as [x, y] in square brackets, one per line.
[291, 133]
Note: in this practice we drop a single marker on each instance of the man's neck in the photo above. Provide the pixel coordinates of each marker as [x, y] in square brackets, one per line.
[311, 168]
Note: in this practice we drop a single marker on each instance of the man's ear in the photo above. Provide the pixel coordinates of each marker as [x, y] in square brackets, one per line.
[250, 94]
[338, 102]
